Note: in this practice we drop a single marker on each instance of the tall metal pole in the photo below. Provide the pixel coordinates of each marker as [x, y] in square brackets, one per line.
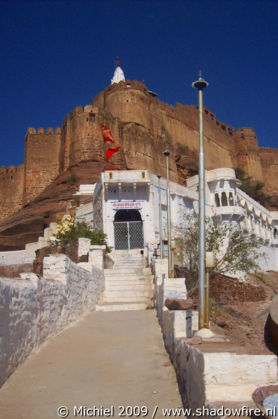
[160, 218]
[166, 154]
[200, 84]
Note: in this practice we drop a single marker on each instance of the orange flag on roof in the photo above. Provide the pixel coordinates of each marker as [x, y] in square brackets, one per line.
[110, 151]
[107, 135]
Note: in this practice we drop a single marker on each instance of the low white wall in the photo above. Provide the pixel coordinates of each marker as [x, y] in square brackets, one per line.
[270, 262]
[206, 377]
[16, 257]
[27, 255]
[31, 310]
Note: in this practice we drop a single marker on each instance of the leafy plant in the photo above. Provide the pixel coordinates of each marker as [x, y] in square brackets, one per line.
[81, 229]
[235, 250]
[72, 178]
[255, 189]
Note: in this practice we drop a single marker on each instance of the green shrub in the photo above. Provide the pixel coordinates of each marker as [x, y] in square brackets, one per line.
[72, 178]
[82, 229]
[255, 189]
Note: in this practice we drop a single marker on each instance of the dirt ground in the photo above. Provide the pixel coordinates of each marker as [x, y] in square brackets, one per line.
[240, 310]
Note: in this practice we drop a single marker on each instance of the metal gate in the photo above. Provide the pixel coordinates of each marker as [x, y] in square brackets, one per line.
[128, 234]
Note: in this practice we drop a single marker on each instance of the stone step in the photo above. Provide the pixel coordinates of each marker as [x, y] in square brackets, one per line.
[130, 277]
[119, 265]
[128, 256]
[125, 252]
[123, 306]
[128, 295]
[127, 271]
[42, 242]
[230, 393]
[120, 285]
[124, 299]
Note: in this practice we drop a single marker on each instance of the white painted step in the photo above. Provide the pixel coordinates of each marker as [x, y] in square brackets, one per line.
[132, 294]
[129, 278]
[127, 271]
[109, 286]
[122, 306]
[131, 260]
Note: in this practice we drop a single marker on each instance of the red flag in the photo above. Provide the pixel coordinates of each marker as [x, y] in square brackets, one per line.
[110, 151]
[107, 135]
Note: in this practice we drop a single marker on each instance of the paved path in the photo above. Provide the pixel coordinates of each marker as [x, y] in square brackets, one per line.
[107, 359]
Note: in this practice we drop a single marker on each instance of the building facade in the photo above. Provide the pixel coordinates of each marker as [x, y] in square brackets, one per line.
[125, 205]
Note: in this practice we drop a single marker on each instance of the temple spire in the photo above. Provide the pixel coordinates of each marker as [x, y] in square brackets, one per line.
[118, 74]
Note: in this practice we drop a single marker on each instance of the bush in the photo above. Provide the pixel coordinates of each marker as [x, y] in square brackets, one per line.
[235, 250]
[255, 189]
[72, 178]
[79, 230]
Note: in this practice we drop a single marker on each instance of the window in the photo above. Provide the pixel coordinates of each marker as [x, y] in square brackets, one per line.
[224, 200]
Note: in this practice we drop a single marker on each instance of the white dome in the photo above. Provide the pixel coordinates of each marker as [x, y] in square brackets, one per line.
[118, 75]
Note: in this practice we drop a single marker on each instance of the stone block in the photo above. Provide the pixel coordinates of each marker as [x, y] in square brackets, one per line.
[83, 247]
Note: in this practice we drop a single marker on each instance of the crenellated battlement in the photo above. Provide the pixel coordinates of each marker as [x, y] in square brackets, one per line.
[212, 117]
[76, 111]
[42, 131]
[7, 171]
[128, 84]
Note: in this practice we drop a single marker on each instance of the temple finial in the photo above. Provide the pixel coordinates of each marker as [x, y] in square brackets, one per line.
[118, 73]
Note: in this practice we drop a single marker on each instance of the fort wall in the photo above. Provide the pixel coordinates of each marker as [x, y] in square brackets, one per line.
[143, 126]
[42, 160]
[11, 189]
[86, 141]
[269, 159]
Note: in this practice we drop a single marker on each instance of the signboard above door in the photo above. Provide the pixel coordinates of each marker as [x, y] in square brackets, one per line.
[127, 205]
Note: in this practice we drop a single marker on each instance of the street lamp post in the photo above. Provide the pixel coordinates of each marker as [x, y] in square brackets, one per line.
[160, 218]
[200, 84]
[166, 154]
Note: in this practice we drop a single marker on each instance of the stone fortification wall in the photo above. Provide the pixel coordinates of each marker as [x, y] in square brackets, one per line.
[11, 190]
[144, 126]
[34, 309]
[42, 160]
[269, 158]
[150, 125]
[82, 138]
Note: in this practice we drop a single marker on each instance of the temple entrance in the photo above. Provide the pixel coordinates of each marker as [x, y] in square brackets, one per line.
[128, 229]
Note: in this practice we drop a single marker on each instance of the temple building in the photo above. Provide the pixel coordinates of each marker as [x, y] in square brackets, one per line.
[125, 205]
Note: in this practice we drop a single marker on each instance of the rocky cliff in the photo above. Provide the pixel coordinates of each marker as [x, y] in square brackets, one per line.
[56, 162]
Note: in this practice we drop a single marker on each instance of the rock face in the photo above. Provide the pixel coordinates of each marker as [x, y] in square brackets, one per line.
[144, 126]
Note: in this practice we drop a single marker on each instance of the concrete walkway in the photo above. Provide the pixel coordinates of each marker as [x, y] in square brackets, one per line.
[106, 359]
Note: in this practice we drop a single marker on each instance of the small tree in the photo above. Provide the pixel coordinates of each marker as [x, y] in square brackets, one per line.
[70, 231]
[235, 250]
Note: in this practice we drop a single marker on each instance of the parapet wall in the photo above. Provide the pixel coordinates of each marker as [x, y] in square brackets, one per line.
[42, 160]
[11, 190]
[34, 309]
[269, 159]
[206, 378]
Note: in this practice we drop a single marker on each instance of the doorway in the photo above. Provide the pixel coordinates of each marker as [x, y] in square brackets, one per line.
[128, 229]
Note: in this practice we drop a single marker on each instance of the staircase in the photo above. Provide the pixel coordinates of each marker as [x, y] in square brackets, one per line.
[129, 285]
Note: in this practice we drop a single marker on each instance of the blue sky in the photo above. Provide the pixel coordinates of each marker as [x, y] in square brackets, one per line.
[56, 55]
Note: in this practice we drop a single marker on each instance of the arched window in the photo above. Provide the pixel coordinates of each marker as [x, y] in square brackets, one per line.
[224, 200]
[217, 200]
[231, 199]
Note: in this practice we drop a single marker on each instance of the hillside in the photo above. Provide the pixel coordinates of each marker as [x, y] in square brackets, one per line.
[56, 162]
